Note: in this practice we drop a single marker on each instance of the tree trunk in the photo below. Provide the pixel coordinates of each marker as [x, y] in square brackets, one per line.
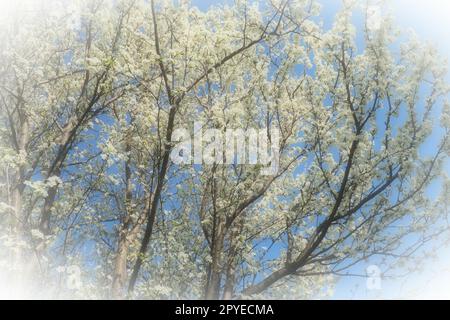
[214, 276]
[120, 268]
[120, 264]
[228, 291]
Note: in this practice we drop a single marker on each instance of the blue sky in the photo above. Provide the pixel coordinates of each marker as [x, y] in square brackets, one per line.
[429, 19]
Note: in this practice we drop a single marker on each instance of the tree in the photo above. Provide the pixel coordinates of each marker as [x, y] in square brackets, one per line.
[89, 115]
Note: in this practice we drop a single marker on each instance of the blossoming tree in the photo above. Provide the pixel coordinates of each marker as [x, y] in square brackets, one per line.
[92, 93]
